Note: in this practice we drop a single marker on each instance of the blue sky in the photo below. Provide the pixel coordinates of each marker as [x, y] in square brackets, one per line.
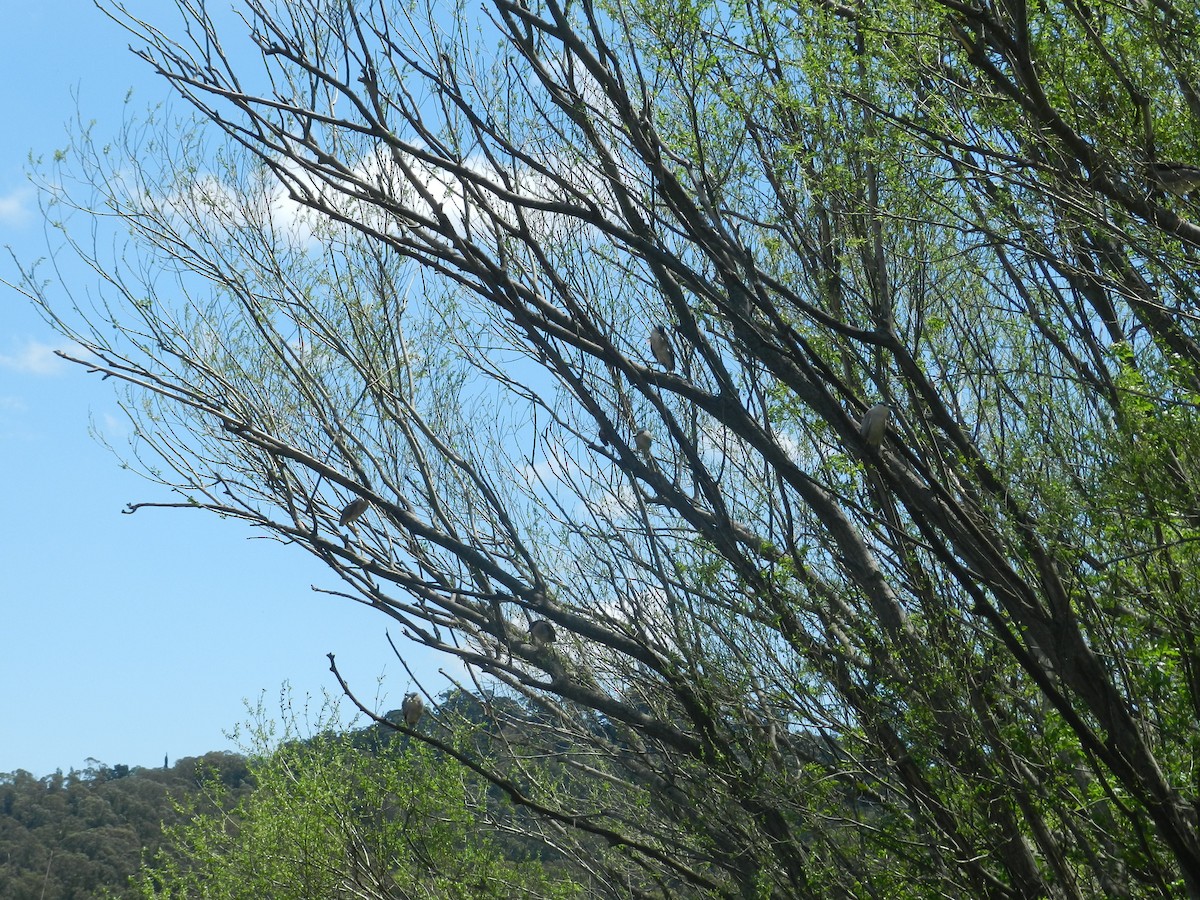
[124, 638]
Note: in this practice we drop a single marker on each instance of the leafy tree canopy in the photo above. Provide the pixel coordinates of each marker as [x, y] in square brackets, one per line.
[342, 814]
[412, 255]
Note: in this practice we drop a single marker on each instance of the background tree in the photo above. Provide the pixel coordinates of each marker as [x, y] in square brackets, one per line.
[341, 814]
[411, 255]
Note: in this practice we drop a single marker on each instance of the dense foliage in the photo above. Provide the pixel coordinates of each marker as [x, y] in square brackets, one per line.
[346, 814]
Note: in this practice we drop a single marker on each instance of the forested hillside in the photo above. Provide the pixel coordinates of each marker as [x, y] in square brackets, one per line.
[72, 836]
[338, 812]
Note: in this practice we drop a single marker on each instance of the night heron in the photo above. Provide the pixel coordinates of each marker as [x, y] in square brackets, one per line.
[875, 425]
[642, 440]
[413, 707]
[660, 345]
[542, 633]
[353, 511]
[1178, 178]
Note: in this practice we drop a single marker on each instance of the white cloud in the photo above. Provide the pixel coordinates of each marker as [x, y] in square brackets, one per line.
[16, 207]
[381, 172]
[112, 427]
[265, 198]
[36, 358]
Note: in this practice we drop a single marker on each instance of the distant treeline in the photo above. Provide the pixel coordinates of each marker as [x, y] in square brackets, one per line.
[75, 836]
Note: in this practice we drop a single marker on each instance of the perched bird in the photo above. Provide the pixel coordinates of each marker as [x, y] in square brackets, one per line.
[773, 736]
[353, 511]
[1178, 178]
[660, 345]
[542, 632]
[413, 708]
[642, 440]
[875, 425]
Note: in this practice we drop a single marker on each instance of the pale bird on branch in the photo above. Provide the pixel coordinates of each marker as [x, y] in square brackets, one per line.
[643, 439]
[542, 633]
[413, 708]
[874, 425]
[353, 511]
[1178, 178]
[660, 346]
